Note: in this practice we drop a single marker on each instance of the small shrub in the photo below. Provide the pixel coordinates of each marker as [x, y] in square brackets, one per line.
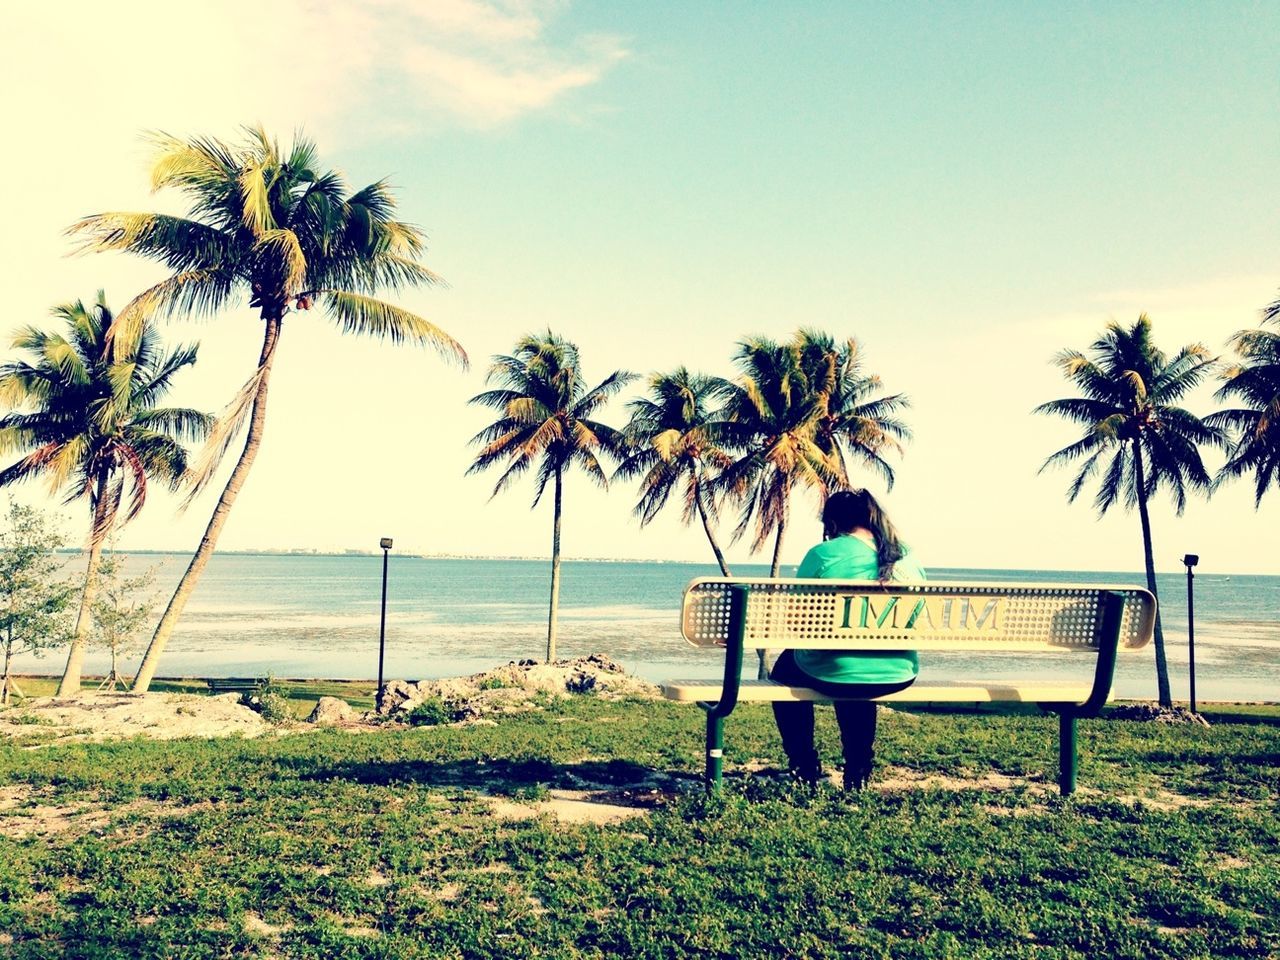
[494, 683]
[530, 791]
[269, 701]
[431, 712]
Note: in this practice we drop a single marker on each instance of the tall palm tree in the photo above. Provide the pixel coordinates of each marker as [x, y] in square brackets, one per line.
[1255, 382]
[276, 227]
[855, 421]
[672, 442]
[1136, 440]
[546, 417]
[771, 420]
[85, 417]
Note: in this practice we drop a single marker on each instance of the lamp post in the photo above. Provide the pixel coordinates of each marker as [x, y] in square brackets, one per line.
[385, 544]
[1191, 560]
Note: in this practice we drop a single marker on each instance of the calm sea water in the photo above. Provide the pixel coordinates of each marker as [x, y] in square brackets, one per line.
[317, 616]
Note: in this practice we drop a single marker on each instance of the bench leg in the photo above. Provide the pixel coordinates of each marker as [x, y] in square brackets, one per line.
[715, 751]
[1066, 752]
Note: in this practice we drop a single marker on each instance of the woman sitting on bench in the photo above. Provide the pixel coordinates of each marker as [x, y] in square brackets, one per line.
[859, 543]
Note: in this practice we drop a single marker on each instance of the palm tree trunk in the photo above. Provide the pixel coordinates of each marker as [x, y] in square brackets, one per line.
[257, 422]
[8, 659]
[1148, 555]
[711, 537]
[762, 668]
[69, 685]
[554, 608]
[777, 546]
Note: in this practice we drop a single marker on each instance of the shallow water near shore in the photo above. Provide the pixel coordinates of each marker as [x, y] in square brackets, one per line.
[318, 616]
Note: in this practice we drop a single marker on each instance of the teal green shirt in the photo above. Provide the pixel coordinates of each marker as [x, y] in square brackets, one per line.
[849, 558]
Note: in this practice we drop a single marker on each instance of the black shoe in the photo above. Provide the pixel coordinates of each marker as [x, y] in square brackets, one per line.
[809, 775]
[856, 778]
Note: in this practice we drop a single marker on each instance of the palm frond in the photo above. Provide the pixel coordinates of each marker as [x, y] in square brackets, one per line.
[363, 315]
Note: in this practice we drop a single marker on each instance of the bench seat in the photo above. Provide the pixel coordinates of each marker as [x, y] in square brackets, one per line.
[969, 691]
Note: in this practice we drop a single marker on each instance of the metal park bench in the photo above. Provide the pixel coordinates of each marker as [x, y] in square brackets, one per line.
[219, 685]
[1022, 622]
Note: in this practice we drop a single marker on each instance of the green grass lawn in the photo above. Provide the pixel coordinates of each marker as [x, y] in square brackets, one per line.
[386, 844]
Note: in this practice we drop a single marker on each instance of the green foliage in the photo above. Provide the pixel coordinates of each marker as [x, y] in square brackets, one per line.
[1136, 439]
[546, 415]
[797, 414]
[85, 415]
[386, 844]
[493, 683]
[1255, 427]
[431, 712]
[274, 226]
[271, 700]
[123, 606]
[35, 601]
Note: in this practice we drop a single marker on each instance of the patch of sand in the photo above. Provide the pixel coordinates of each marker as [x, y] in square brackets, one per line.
[255, 925]
[897, 778]
[1163, 801]
[569, 806]
[108, 716]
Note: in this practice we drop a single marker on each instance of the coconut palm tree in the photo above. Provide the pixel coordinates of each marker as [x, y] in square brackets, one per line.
[1136, 440]
[546, 419]
[671, 439]
[1255, 382]
[85, 418]
[277, 228]
[856, 422]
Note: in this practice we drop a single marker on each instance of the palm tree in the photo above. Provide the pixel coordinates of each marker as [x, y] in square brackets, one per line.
[671, 440]
[85, 417]
[275, 227]
[546, 418]
[854, 421]
[1255, 381]
[796, 416]
[771, 420]
[1135, 437]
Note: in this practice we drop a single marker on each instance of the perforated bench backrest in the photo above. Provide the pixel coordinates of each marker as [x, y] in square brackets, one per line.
[861, 615]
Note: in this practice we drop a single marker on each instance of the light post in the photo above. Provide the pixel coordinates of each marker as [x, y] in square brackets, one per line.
[1191, 560]
[385, 543]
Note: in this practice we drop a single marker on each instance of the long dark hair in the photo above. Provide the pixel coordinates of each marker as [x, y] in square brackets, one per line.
[850, 509]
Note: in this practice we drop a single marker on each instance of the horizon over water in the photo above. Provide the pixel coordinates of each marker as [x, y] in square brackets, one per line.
[317, 615]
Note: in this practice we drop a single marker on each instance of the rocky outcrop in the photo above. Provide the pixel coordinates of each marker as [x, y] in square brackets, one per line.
[515, 686]
[1154, 713]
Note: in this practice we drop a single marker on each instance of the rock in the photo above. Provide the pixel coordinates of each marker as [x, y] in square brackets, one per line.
[395, 694]
[1154, 713]
[331, 710]
[579, 682]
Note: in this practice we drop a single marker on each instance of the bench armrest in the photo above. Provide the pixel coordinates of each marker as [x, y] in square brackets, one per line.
[738, 594]
[1112, 613]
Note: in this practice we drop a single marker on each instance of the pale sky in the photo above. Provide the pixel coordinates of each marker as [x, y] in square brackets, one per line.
[966, 190]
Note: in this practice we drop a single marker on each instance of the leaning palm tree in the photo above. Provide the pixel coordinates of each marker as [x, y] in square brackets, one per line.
[84, 416]
[672, 442]
[546, 418]
[275, 227]
[1136, 440]
[856, 421]
[1255, 427]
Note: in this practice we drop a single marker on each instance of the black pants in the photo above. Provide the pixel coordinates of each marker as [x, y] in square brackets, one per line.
[856, 719]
